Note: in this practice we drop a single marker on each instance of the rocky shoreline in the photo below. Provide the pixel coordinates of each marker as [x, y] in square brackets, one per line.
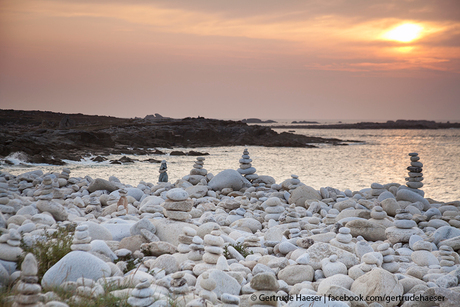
[399, 124]
[231, 239]
[48, 137]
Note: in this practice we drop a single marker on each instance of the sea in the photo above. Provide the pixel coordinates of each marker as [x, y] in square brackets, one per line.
[380, 156]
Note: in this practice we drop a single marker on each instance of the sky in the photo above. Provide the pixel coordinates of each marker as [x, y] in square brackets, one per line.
[289, 59]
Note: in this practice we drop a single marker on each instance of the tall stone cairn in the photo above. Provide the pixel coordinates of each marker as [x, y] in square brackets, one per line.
[414, 181]
[28, 287]
[246, 169]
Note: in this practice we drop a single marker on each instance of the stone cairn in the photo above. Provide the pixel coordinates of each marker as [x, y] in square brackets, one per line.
[343, 240]
[122, 202]
[389, 263]
[196, 249]
[28, 286]
[246, 168]
[274, 208]
[179, 284]
[414, 181]
[81, 240]
[362, 247]
[198, 167]
[142, 295]
[163, 174]
[207, 285]
[403, 227]
[185, 240]
[331, 266]
[447, 259]
[65, 174]
[294, 184]
[252, 243]
[177, 205]
[45, 192]
[291, 217]
[213, 247]
[10, 249]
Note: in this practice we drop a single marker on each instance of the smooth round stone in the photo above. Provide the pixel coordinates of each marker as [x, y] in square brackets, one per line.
[14, 235]
[274, 210]
[82, 241]
[405, 224]
[177, 194]
[414, 158]
[403, 216]
[208, 284]
[413, 154]
[213, 240]
[81, 235]
[143, 292]
[214, 250]
[183, 248]
[422, 245]
[414, 175]
[177, 215]
[383, 247]
[230, 299]
[447, 263]
[344, 230]
[344, 238]
[286, 247]
[182, 205]
[81, 228]
[197, 240]
[416, 164]
[414, 185]
[13, 243]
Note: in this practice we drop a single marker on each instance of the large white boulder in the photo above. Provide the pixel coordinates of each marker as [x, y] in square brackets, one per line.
[228, 178]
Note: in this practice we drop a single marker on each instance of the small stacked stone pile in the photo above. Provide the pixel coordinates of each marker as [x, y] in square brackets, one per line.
[362, 247]
[274, 208]
[290, 216]
[229, 300]
[422, 255]
[9, 246]
[265, 285]
[389, 263]
[252, 243]
[447, 259]
[414, 181]
[295, 183]
[343, 240]
[177, 205]
[87, 288]
[94, 206]
[46, 190]
[81, 240]
[207, 285]
[185, 240]
[331, 266]
[198, 167]
[4, 199]
[179, 284]
[28, 286]
[65, 174]
[196, 249]
[377, 189]
[142, 295]
[246, 168]
[378, 215]
[122, 201]
[213, 247]
[404, 227]
[294, 233]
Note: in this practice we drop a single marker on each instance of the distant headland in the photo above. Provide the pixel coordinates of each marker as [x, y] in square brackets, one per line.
[398, 124]
[50, 137]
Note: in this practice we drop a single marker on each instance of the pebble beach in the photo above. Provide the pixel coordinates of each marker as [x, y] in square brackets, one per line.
[234, 238]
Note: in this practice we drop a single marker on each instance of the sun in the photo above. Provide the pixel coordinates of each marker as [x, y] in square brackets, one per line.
[404, 33]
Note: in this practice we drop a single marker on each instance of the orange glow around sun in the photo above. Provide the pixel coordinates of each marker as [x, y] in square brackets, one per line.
[404, 33]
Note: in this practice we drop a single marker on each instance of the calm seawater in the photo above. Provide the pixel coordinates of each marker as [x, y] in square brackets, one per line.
[382, 157]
